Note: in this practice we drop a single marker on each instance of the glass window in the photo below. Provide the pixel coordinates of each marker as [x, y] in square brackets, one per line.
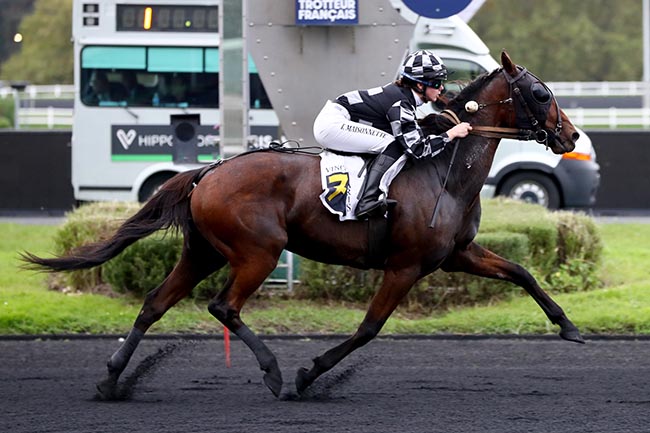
[258, 96]
[175, 59]
[461, 72]
[212, 60]
[157, 77]
[114, 57]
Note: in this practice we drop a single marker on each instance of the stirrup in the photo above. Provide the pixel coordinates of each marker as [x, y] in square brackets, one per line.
[378, 208]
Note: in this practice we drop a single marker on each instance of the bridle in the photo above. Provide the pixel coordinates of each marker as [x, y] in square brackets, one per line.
[531, 114]
[532, 105]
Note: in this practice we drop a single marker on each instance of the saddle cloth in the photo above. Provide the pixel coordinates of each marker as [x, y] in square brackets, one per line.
[342, 177]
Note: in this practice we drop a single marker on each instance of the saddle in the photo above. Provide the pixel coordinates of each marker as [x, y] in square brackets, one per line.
[342, 176]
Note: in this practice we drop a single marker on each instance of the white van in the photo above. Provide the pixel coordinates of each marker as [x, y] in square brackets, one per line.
[521, 169]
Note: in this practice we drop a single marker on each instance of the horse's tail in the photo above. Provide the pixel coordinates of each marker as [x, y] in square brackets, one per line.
[169, 207]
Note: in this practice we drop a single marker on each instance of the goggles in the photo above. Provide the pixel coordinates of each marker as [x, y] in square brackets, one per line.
[436, 84]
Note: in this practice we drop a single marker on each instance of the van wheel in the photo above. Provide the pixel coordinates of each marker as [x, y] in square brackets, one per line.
[532, 188]
[152, 185]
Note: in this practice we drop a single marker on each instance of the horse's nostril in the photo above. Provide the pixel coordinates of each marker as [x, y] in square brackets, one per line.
[575, 136]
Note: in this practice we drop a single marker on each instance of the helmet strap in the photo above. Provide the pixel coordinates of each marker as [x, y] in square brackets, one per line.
[423, 92]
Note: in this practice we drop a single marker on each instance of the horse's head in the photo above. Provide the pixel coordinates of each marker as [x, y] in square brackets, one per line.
[536, 109]
[509, 102]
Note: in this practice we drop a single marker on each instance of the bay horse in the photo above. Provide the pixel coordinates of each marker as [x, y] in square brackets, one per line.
[248, 209]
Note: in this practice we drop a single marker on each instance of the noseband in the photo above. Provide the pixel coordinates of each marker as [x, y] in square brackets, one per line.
[531, 109]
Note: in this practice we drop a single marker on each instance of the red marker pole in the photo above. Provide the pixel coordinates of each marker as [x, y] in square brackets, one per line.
[226, 345]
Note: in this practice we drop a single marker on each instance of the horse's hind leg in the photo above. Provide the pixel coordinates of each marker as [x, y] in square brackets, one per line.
[246, 276]
[480, 261]
[197, 261]
[394, 287]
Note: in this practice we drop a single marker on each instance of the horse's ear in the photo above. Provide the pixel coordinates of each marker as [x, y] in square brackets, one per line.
[510, 67]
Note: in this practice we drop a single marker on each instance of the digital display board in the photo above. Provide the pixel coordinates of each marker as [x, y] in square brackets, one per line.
[167, 18]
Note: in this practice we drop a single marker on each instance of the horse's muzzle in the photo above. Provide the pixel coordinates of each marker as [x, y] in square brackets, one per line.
[560, 143]
[575, 136]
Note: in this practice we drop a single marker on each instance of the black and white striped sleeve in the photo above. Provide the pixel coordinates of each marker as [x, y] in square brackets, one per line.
[407, 132]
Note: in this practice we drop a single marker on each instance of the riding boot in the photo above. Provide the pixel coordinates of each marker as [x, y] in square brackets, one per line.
[369, 203]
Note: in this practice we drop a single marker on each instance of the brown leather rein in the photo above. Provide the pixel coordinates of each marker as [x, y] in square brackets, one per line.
[492, 131]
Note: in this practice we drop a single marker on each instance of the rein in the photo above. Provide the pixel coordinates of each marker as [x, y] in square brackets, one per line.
[491, 131]
[495, 131]
[498, 132]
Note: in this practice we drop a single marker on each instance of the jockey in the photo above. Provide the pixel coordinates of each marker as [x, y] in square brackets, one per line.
[382, 121]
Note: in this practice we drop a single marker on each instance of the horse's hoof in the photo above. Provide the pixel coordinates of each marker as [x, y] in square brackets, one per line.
[302, 380]
[274, 382]
[572, 335]
[107, 389]
[289, 395]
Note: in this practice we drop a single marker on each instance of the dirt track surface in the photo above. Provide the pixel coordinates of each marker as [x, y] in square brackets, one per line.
[391, 385]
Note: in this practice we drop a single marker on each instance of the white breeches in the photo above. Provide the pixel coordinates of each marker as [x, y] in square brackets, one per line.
[333, 129]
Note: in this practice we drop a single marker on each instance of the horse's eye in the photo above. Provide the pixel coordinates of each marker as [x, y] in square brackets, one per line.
[540, 93]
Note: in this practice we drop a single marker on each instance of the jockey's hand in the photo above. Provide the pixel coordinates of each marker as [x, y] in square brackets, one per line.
[459, 131]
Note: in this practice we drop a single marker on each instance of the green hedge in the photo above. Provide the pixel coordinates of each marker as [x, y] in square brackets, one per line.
[7, 112]
[437, 290]
[144, 265]
[561, 249]
[138, 269]
[87, 224]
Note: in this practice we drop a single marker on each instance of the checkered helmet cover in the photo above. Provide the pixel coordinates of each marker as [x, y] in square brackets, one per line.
[423, 66]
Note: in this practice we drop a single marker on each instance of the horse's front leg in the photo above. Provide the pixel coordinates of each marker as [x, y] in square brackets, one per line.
[394, 287]
[476, 260]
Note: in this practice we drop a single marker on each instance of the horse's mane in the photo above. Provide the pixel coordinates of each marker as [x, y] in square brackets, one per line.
[467, 93]
[436, 124]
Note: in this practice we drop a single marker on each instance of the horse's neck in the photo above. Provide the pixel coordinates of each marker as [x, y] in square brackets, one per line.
[475, 153]
[471, 165]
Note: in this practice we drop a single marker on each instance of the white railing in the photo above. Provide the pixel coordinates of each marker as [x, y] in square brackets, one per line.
[611, 118]
[54, 91]
[48, 117]
[598, 88]
[560, 88]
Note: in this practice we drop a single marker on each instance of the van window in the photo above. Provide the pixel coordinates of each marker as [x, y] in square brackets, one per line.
[461, 72]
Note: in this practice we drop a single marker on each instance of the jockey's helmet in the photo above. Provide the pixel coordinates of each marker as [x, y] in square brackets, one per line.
[424, 67]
